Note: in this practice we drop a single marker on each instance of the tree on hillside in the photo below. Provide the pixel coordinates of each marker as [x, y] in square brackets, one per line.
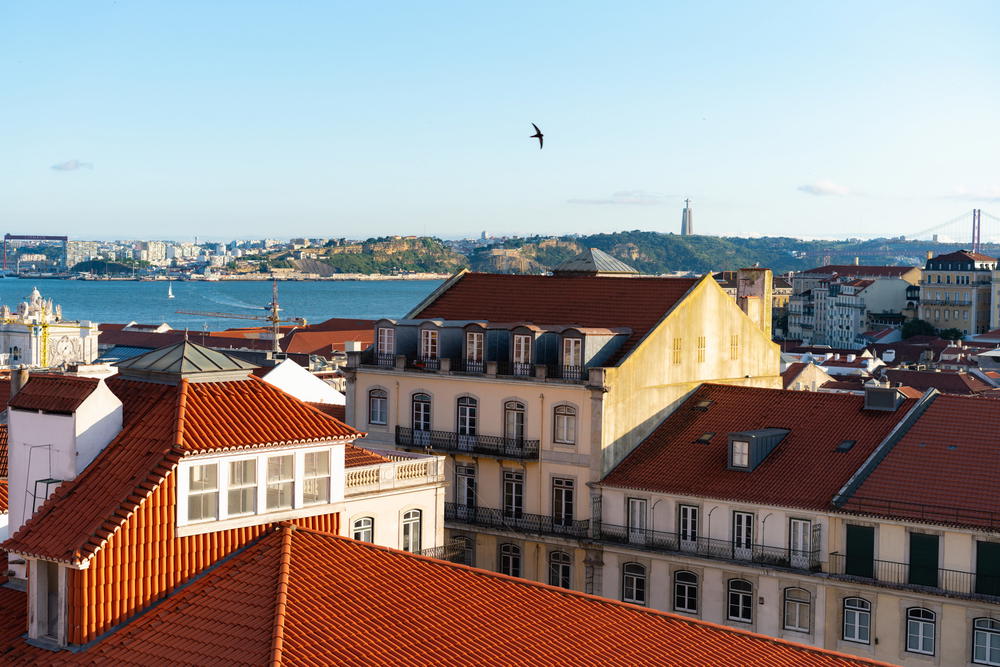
[917, 327]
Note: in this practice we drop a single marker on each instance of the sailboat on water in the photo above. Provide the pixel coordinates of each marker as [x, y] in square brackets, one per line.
[170, 290]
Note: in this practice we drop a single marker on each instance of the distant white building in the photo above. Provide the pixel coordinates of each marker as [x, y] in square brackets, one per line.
[36, 335]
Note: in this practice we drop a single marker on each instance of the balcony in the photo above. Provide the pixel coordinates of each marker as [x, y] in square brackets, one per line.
[891, 574]
[447, 441]
[447, 365]
[518, 522]
[404, 471]
[453, 551]
[704, 547]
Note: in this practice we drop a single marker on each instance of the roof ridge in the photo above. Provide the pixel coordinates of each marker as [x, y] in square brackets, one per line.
[181, 413]
[281, 598]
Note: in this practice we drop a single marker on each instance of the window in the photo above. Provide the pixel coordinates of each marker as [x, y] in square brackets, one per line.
[564, 424]
[857, 620]
[465, 550]
[378, 406]
[513, 420]
[428, 344]
[734, 347]
[800, 542]
[572, 353]
[386, 340]
[421, 412]
[920, 626]
[701, 349]
[465, 491]
[316, 478]
[411, 531]
[689, 526]
[797, 609]
[634, 583]
[364, 529]
[510, 560]
[562, 501]
[513, 494]
[474, 346]
[242, 487]
[678, 349]
[560, 569]
[740, 601]
[636, 511]
[686, 592]
[741, 454]
[280, 482]
[522, 354]
[743, 535]
[468, 411]
[203, 492]
[986, 641]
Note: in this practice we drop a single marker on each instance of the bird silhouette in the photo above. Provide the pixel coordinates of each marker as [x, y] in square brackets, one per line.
[537, 135]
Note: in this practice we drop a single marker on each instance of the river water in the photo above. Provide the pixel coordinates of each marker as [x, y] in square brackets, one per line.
[147, 302]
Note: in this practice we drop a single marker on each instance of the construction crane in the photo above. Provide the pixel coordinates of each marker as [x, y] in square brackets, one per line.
[273, 317]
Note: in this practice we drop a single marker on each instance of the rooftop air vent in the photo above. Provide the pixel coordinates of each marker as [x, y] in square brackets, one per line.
[845, 445]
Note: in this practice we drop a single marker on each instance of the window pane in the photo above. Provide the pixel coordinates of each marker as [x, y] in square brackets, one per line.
[280, 482]
[204, 478]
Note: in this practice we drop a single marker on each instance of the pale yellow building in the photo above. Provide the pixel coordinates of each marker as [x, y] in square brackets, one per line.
[955, 292]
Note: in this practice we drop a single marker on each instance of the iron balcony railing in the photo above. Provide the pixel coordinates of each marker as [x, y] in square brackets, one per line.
[519, 522]
[449, 441]
[453, 551]
[504, 368]
[962, 516]
[905, 575]
[704, 547]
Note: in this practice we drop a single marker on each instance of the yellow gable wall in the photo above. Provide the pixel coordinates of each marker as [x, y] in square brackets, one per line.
[648, 385]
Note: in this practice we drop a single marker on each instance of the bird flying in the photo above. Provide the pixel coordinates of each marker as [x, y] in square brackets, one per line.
[537, 135]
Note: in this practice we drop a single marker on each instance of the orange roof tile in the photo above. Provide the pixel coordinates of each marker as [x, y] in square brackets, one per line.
[162, 423]
[591, 301]
[304, 597]
[671, 460]
[54, 393]
[355, 456]
[335, 411]
[3, 451]
[3, 497]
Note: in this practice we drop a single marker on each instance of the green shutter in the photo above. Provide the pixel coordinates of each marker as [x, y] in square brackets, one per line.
[988, 568]
[860, 551]
[923, 559]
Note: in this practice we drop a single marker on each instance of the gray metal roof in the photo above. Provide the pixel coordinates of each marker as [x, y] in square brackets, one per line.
[185, 360]
[595, 262]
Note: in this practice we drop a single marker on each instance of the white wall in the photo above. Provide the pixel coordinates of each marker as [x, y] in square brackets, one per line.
[98, 421]
[387, 509]
[291, 378]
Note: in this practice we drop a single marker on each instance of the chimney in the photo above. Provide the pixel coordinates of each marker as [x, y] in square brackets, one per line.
[17, 380]
[754, 294]
[930, 254]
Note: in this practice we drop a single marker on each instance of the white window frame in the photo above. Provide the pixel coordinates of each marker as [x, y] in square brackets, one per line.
[634, 580]
[411, 527]
[986, 641]
[741, 599]
[560, 569]
[362, 527]
[797, 611]
[921, 631]
[685, 590]
[429, 348]
[563, 501]
[268, 482]
[307, 477]
[741, 453]
[522, 349]
[572, 352]
[688, 524]
[564, 425]
[378, 406]
[474, 346]
[857, 621]
[513, 490]
[386, 340]
[203, 492]
[230, 487]
[509, 559]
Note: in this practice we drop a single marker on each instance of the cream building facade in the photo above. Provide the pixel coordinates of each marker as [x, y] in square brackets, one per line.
[35, 335]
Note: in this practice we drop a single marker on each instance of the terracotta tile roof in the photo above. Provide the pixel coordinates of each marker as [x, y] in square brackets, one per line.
[948, 382]
[792, 372]
[3, 451]
[335, 411]
[355, 456]
[671, 461]
[4, 502]
[162, 423]
[960, 255]
[945, 469]
[591, 301]
[304, 597]
[853, 270]
[54, 393]
[857, 384]
[4, 392]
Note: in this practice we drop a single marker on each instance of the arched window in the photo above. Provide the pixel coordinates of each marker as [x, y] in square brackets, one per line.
[513, 420]
[468, 418]
[411, 531]
[378, 406]
[798, 610]
[421, 412]
[986, 641]
[465, 550]
[560, 569]
[686, 591]
[634, 583]
[857, 620]
[510, 560]
[740, 601]
[363, 529]
[564, 425]
[920, 630]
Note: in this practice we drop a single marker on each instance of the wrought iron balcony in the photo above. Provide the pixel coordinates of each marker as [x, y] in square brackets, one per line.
[448, 441]
[892, 574]
[519, 522]
[704, 547]
[453, 551]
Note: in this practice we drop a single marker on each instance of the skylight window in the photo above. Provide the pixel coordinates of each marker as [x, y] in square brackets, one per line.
[705, 437]
[845, 445]
[703, 405]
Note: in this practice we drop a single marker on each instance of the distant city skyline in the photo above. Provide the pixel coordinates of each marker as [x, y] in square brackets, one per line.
[254, 120]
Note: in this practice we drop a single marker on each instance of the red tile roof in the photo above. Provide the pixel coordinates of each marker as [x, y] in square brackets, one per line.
[960, 255]
[590, 301]
[355, 456]
[304, 597]
[4, 506]
[54, 393]
[948, 382]
[3, 451]
[945, 469]
[335, 411]
[853, 270]
[792, 372]
[671, 461]
[162, 423]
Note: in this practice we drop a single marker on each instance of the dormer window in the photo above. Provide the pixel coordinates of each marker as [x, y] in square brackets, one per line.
[741, 454]
[280, 482]
[474, 350]
[386, 344]
[242, 487]
[316, 480]
[428, 345]
[522, 354]
[572, 357]
[203, 492]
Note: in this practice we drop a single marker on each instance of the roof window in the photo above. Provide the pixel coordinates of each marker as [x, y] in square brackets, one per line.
[703, 405]
[845, 445]
[747, 449]
[705, 437]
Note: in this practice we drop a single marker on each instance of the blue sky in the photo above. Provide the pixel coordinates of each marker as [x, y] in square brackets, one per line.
[243, 119]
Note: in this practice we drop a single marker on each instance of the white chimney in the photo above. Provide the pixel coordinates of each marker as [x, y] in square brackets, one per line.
[352, 346]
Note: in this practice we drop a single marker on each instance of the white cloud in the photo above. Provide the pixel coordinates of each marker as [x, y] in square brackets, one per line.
[989, 193]
[627, 198]
[824, 189]
[72, 165]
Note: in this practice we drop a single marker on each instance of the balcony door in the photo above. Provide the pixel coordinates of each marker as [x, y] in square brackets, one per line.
[800, 542]
[513, 422]
[562, 502]
[421, 419]
[637, 521]
[474, 351]
[743, 535]
[465, 491]
[923, 559]
[688, 532]
[468, 418]
[860, 560]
